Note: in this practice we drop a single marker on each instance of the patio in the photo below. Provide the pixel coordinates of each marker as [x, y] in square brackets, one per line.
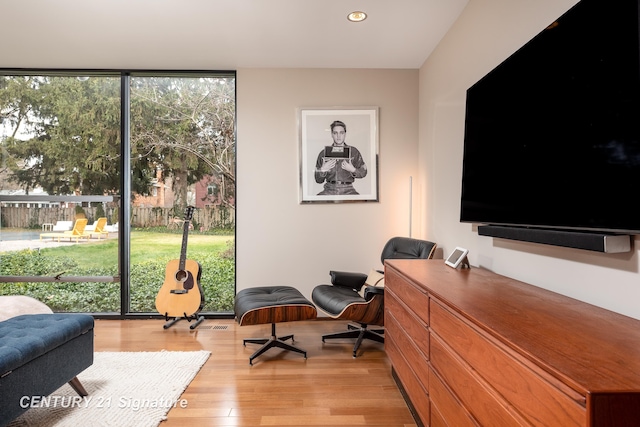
[17, 240]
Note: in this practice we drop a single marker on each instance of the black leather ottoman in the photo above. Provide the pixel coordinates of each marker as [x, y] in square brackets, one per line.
[272, 304]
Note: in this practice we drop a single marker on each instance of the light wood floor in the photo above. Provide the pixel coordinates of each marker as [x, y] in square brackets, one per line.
[329, 388]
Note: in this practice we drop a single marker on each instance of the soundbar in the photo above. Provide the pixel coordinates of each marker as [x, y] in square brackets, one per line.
[591, 241]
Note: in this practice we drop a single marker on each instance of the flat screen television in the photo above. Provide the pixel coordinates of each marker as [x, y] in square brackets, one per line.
[552, 134]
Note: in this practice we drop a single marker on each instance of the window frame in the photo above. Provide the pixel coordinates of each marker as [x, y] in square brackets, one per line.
[124, 242]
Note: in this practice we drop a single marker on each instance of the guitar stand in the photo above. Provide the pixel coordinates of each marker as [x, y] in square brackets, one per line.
[175, 320]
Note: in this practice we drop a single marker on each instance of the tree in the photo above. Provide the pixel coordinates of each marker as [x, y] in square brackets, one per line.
[70, 133]
[188, 123]
[64, 133]
[16, 101]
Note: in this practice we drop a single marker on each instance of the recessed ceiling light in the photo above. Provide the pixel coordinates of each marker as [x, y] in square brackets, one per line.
[357, 16]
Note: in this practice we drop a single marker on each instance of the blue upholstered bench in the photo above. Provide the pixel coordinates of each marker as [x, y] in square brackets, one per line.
[38, 354]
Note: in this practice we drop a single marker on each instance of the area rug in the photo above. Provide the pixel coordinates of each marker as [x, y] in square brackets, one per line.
[125, 389]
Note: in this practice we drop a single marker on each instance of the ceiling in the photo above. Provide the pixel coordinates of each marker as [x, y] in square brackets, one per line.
[222, 34]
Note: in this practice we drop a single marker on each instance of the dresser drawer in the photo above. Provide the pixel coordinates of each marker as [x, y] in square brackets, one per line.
[412, 296]
[443, 402]
[413, 326]
[437, 419]
[419, 362]
[411, 384]
[487, 407]
[540, 402]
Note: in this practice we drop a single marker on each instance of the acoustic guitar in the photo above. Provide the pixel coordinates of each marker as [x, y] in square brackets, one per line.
[181, 293]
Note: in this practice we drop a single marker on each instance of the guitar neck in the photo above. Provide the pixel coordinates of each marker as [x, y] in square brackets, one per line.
[183, 250]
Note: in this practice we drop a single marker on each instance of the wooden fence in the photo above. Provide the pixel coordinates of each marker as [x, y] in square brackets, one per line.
[207, 218]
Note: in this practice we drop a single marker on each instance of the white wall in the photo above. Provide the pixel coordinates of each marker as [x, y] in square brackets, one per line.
[283, 242]
[486, 33]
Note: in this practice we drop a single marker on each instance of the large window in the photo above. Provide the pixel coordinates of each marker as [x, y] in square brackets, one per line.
[97, 170]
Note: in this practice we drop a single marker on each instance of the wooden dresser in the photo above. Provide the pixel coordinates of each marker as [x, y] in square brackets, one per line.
[473, 348]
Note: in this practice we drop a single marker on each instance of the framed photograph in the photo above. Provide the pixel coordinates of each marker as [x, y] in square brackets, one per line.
[338, 154]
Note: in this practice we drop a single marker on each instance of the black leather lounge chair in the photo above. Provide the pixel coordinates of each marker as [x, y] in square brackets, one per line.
[347, 297]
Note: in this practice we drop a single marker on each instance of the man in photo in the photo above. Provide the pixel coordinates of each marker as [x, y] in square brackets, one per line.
[339, 164]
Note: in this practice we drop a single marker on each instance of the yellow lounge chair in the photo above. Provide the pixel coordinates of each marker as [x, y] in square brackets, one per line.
[76, 233]
[98, 228]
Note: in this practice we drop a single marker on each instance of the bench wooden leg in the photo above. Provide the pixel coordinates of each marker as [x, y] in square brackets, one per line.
[78, 387]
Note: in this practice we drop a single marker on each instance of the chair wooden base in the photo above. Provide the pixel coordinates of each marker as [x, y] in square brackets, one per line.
[360, 333]
[274, 341]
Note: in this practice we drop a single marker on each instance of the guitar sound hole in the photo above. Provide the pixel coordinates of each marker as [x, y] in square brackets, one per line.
[186, 278]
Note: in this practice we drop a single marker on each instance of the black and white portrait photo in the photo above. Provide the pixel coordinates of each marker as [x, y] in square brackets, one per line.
[338, 154]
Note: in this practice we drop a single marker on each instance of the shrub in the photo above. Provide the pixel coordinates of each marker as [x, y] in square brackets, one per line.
[218, 278]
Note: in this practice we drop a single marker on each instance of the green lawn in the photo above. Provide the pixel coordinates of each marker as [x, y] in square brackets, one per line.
[169, 245]
[145, 246]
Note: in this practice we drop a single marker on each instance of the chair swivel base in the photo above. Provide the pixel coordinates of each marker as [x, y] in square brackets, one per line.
[273, 341]
[360, 333]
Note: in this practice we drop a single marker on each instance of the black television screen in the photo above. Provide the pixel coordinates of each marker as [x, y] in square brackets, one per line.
[552, 135]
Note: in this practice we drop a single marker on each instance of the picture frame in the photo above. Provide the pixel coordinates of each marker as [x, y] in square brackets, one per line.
[355, 181]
